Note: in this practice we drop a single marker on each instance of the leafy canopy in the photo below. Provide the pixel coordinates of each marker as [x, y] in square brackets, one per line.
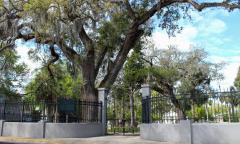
[12, 72]
[63, 85]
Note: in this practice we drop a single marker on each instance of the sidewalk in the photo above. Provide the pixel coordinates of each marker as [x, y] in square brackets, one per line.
[111, 140]
[95, 140]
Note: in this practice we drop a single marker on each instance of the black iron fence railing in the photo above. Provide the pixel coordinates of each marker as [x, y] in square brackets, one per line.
[210, 107]
[63, 111]
[122, 126]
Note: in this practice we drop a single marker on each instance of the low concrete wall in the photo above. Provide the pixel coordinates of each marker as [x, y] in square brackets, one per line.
[222, 133]
[51, 130]
[196, 133]
[167, 132]
[33, 130]
[76, 130]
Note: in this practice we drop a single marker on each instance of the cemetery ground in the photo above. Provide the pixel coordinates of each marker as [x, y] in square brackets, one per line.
[93, 140]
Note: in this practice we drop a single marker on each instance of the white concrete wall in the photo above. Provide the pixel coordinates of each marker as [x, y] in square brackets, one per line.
[73, 130]
[177, 133]
[196, 133]
[218, 133]
[51, 130]
[33, 130]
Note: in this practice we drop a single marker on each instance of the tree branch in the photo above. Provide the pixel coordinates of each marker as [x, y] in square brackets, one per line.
[224, 4]
[158, 89]
[37, 37]
[25, 37]
[56, 58]
[15, 7]
[148, 14]
[133, 35]
[71, 54]
[131, 12]
[5, 47]
[198, 6]
[3, 65]
[87, 41]
[21, 26]
[99, 60]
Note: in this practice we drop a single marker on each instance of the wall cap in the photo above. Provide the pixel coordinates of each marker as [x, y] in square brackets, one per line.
[102, 89]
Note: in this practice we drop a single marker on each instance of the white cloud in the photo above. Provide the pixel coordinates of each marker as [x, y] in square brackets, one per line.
[230, 73]
[22, 50]
[208, 22]
[229, 70]
[208, 14]
[212, 26]
[182, 40]
[217, 26]
[227, 59]
[205, 30]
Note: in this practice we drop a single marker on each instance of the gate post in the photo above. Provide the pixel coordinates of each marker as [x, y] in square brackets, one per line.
[102, 97]
[146, 103]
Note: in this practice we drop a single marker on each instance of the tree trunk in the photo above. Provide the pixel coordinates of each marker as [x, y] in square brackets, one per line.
[179, 108]
[132, 109]
[133, 35]
[89, 93]
[89, 90]
[233, 114]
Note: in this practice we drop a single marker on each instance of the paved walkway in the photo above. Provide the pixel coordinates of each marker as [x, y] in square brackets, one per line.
[110, 140]
[95, 140]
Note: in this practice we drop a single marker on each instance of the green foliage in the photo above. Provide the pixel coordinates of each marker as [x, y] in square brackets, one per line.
[44, 87]
[1, 3]
[134, 74]
[237, 80]
[135, 71]
[231, 98]
[212, 112]
[112, 32]
[184, 76]
[37, 4]
[189, 72]
[12, 73]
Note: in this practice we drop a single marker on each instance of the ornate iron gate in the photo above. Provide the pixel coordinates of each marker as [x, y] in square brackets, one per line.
[118, 118]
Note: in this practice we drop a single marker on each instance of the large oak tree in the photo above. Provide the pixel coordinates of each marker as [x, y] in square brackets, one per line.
[184, 77]
[93, 34]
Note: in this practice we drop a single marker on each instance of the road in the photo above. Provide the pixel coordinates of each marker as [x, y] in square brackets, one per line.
[95, 140]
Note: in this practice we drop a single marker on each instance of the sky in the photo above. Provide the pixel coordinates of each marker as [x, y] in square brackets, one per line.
[216, 30]
[22, 50]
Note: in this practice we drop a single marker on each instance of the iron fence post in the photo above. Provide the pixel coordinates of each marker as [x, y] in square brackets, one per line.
[44, 110]
[4, 113]
[123, 118]
[22, 111]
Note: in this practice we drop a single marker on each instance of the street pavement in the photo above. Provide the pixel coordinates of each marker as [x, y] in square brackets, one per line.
[109, 140]
[94, 140]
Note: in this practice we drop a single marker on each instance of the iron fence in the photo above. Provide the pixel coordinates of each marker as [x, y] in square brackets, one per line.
[119, 120]
[62, 111]
[122, 126]
[208, 107]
